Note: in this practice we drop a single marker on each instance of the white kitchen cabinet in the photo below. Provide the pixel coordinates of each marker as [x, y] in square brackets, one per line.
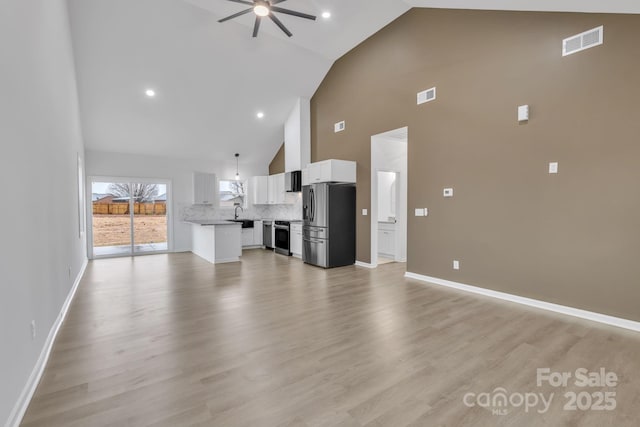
[204, 188]
[252, 237]
[259, 190]
[295, 239]
[247, 237]
[277, 195]
[269, 190]
[272, 189]
[218, 242]
[257, 233]
[329, 171]
[386, 240]
[278, 180]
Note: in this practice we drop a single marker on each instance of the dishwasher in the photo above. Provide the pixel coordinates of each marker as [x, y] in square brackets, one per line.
[267, 229]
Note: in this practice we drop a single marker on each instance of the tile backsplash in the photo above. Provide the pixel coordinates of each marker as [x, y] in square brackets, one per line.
[284, 212]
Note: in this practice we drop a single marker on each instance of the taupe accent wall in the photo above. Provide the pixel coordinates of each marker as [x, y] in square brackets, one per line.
[571, 238]
[277, 164]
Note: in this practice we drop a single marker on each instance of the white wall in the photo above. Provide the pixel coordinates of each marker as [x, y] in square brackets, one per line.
[42, 252]
[297, 136]
[389, 153]
[179, 172]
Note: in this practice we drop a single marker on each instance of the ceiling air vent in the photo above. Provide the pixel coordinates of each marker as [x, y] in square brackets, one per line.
[426, 95]
[583, 41]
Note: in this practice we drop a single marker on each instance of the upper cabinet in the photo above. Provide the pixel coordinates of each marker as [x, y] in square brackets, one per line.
[204, 188]
[329, 171]
[259, 190]
[268, 190]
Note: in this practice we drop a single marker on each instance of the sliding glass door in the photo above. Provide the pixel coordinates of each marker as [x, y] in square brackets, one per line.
[149, 218]
[129, 217]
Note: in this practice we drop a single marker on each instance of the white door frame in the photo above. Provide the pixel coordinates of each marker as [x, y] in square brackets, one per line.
[117, 179]
[374, 203]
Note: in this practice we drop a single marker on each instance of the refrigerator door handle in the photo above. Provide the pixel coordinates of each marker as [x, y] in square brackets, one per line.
[314, 241]
[312, 203]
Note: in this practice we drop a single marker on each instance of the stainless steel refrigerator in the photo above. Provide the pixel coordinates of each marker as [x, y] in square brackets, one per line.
[329, 227]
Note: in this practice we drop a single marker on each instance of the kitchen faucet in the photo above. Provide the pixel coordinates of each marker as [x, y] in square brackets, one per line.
[236, 211]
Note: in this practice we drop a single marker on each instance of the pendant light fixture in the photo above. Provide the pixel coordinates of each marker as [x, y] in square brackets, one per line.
[237, 170]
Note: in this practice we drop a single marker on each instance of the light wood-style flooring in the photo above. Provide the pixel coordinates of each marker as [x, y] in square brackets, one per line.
[171, 340]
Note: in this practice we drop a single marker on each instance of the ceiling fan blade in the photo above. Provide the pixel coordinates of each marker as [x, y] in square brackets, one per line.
[249, 3]
[279, 24]
[292, 12]
[256, 26]
[276, 1]
[235, 15]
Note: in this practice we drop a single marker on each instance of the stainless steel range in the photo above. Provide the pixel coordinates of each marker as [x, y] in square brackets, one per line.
[282, 242]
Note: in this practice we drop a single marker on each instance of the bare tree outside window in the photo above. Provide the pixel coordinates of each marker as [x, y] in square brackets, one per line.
[232, 193]
[139, 191]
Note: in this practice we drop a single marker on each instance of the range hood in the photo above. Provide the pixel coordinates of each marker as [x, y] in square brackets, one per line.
[293, 181]
[297, 144]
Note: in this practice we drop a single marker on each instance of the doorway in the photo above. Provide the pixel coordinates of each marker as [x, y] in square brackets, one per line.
[128, 217]
[389, 197]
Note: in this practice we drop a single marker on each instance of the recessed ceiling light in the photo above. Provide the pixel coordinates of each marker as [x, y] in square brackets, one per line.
[260, 115]
[326, 15]
[150, 93]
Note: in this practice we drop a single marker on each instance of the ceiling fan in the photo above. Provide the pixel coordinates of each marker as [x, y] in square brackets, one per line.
[263, 8]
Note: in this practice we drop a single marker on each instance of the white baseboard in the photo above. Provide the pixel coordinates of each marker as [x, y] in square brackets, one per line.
[365, 265]
[15, 418]
[227, 260]
[557, 308]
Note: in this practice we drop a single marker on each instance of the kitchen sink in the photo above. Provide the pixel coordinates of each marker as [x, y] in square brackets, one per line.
[246, 223]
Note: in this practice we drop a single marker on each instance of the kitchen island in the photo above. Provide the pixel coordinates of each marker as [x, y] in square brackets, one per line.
[217, 241]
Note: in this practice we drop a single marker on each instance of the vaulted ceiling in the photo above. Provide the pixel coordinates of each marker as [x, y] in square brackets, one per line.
[212, 79]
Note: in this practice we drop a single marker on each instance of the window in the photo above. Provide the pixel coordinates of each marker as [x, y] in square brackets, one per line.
[232, 193]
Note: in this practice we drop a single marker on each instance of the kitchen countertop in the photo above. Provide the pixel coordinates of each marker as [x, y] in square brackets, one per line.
[210, 222]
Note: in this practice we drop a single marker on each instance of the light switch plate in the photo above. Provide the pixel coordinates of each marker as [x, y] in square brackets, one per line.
[365, 212]
[456, 264]
[447, 192]
[553, 167]
[419, 212]
[523, 113]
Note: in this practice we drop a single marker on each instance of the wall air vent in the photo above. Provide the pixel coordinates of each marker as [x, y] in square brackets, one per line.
[426, 95]
[583, 41]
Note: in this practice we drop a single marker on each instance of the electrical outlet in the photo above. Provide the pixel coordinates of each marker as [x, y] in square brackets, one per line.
[33, 329]
[553, 167]
[456, 264]
[365, 212]
[447, 192]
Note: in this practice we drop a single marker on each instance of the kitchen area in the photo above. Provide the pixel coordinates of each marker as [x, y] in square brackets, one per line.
[308, 211]
[308, 214]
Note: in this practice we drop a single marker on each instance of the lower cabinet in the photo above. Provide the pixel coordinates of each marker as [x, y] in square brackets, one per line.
[387, 240]
[295, 239]
[252, 236]
[247, 237]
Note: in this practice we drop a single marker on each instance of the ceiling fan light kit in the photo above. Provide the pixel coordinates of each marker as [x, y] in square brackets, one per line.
[264, 8]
